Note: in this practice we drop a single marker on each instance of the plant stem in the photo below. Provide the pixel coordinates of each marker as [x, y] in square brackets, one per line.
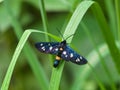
[117, 8]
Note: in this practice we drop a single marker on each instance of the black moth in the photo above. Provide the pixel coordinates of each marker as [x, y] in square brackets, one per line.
[62, 51]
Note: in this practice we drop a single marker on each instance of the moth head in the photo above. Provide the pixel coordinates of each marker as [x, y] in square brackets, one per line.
[63, 43]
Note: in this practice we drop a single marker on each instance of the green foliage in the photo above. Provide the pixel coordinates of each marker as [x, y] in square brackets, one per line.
[95, 35]
[70, 29]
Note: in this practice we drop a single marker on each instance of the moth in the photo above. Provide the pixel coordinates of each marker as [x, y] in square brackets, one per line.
[62, 51]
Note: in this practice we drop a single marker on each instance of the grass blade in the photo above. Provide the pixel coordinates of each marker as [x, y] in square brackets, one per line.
[44, 17]
[117, 7]
[111, 15]
[17, 52]
[114, 51]
[93, 61]
[70, 29]
[102, 60]
[31, 56]
[45, 22]
[108, 37]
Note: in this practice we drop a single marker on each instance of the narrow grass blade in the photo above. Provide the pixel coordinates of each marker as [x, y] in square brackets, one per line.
[111, 16]
[44, 17]
[102, 60]
[70, 29]
[117, 8]
[93, 61]
[45, 22]
[107, 34]
[17, 52]
[28, 51]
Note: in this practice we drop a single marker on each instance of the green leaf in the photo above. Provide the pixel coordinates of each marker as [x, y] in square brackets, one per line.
[93, 61]
[17, 52]
[102, 60]
[117, 8]
[70, 29]
[107, 34]
[28, 51]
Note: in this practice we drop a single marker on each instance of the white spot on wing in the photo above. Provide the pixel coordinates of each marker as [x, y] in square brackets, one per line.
[71, 55]
[43, 48]
[80, 57]
[50, 48]
[64, 52]
[41, 44]
[56, 49]
[66, 55]
[77, 60]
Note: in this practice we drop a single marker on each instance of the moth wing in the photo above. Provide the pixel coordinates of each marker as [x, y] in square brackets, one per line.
[70, 55]
[48, 47]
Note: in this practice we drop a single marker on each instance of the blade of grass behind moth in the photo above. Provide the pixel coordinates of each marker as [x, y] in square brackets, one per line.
[44, 17]
[93, 61]
[114, 51]
[102, 60]
[100, 56]
[33, 61]
[111, 16]
[117, 8]
[17, 52]
[70, 29]
[45, 24]
[101, 19]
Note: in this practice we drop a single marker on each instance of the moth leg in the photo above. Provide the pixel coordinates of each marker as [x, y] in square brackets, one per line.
[56, 62]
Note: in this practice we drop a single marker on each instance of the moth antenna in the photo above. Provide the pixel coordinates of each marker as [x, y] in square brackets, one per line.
[69, 36]
[60, 34]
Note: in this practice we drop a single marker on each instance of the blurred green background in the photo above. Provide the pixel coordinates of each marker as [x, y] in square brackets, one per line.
[28, 14]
